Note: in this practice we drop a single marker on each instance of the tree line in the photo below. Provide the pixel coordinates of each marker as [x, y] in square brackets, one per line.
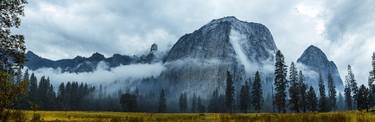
[292, 94]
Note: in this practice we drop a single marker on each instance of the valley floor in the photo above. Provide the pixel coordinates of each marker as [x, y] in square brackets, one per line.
[203, 117]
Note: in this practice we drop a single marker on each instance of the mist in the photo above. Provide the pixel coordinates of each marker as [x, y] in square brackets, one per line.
[123, 74]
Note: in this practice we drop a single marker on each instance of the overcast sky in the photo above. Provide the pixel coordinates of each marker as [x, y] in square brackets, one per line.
[343, 29]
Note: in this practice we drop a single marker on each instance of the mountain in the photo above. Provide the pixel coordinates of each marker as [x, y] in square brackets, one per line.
[313, 61]
[199, 61]
[88, 64]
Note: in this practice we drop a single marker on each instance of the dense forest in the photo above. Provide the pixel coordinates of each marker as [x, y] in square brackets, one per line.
[290, 94]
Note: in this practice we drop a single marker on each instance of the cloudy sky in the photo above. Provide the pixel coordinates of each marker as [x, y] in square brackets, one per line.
[343, 29]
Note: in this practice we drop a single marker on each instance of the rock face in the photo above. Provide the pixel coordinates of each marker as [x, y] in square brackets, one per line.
[199, 61]
[88, 64]
[313, 61]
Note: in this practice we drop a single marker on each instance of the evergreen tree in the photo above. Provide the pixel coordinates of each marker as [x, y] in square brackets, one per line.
[183, 102]
[194, 103]
[371, 83]
[216, 102]
[129, 102]
[353, 85]
[201, 107]
[280, 82]
[33, 89]
[331, 92]
[348, 95]
[162, 102]
[257, 93]
[61, 96]
[294, 91]
[245, 97]
[311, 100]
[303, 90]
[323, 103]
[362, 102]
[229, 93]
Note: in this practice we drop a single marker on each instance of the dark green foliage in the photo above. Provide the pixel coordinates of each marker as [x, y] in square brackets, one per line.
[348, 96]
[280, 82]
[294, 91]
[257, 93]
[311, 100]
[216, 102]
[129, 102]
[229, 93]
[323, 100]
[162, 102]
[245, 97]
[201, 107]
[12, 46]
[331, 93]
[183, 102]
[363, 95]
[194, 103]
[303, 90]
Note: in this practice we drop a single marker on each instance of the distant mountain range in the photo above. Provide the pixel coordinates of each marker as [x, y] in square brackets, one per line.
[88, 64]
[198, 62]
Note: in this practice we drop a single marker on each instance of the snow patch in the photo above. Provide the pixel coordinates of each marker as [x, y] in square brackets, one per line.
[237, 39]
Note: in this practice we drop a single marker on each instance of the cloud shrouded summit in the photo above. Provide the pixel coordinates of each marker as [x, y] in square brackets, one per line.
[64, 29]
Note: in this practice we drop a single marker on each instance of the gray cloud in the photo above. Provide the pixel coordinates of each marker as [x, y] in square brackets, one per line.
[64, 29]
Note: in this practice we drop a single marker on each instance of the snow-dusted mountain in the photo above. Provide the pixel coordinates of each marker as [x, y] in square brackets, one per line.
[313, 61]
[199, 60]
[88, 64]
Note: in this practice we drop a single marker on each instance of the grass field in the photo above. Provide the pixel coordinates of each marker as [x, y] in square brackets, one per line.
[205, 117]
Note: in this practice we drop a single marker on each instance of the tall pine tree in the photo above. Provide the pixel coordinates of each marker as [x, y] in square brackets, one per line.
[162, 102]
[353, 86]
[245, 97]
[303, 90]
[294, 91]
[229, 93]
[311, 100]
[323, 104]
[280, 82]
[331, 92]
[257, 93]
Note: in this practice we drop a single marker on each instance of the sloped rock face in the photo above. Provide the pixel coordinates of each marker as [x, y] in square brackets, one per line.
[313, 61]
[199, 61]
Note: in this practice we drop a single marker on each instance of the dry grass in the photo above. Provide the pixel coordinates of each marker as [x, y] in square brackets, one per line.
[206, 117]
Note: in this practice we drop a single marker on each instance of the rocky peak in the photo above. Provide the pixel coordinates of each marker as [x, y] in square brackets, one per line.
[97, 57]
[313, 56]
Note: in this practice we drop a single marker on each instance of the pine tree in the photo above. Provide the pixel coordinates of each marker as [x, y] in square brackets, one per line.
[348, 95]
[353, 86]
[61, 96]
[371, 83]
[194, 103]
[229, 93]
[201, 107]
[294, 91]
[33, 89]
[362, 102]
[303, 90]
[183, 102]
[331, 92]
[311, 100]
[162, 102]
[323, 104]
[257, 93]
[280, 82]
[245, 97]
